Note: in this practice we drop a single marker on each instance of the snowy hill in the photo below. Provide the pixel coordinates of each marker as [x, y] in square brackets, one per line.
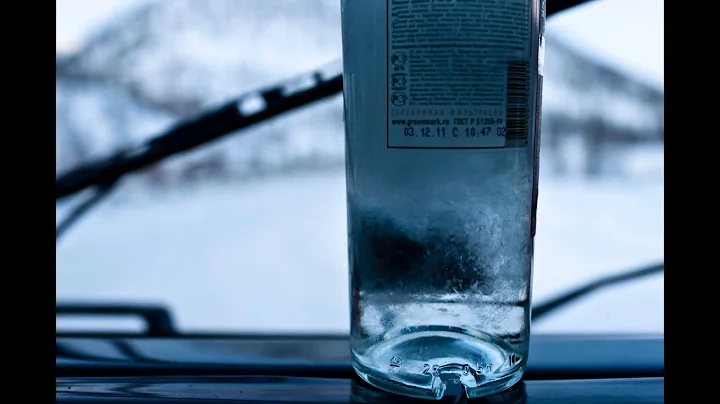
[168, 60]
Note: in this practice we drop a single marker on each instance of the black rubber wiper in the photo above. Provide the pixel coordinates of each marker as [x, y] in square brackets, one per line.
[541, 310]
[200, 131]
[555, 6]
[105, 173]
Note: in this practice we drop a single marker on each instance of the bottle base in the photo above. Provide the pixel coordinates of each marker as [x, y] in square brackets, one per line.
[422, 361]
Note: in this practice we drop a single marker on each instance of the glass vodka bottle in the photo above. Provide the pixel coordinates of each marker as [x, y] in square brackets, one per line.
[442, 114]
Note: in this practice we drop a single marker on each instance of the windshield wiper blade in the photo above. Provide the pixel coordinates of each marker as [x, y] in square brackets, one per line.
[188, 135]
[106, 173]
[556, 6]
[543, 309]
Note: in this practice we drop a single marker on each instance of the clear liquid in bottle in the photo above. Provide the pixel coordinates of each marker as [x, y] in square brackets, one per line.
[442, 107]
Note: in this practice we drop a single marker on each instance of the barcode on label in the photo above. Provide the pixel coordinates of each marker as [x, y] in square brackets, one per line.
[517, 113]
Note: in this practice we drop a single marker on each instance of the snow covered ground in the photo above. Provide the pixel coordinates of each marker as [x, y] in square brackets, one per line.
[271, 255]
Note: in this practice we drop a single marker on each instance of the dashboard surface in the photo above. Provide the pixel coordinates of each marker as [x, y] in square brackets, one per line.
[316, 369]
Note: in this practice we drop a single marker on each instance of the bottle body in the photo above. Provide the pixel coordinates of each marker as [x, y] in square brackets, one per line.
[442, 106]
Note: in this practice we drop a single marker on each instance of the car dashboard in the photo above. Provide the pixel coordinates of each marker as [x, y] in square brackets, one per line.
[316, 369]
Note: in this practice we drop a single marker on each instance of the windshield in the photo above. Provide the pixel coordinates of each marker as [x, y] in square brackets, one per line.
[248, 234]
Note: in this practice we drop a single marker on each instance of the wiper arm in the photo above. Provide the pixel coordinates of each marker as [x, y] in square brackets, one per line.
[556, 6]
[100, 193]
[543, 309]
[104, 174]
[158, 321]
[188, 135]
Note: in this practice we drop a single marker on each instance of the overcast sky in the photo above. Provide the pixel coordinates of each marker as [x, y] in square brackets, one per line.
[627, 33]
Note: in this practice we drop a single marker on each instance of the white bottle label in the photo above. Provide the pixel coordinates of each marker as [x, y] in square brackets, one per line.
[458, 73]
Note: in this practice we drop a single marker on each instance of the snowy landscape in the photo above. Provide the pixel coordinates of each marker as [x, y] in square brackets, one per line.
[249, 233]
